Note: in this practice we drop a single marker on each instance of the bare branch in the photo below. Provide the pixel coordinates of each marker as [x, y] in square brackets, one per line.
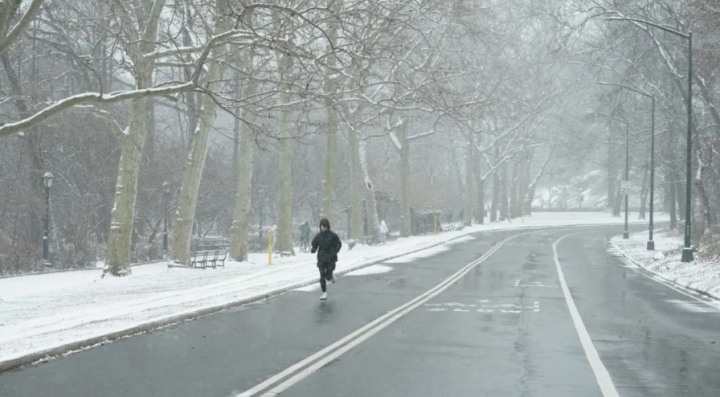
[16, 31]
[90, 97]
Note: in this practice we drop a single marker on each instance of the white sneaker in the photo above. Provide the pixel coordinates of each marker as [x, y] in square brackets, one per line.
[333, 279]
[323, 296]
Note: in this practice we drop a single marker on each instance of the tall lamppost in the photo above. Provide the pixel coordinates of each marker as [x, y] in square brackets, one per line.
[47, 182]
[687, 253]
[166, 203]
[650, 242]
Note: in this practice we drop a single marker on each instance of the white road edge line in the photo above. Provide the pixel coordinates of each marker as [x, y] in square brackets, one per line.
[607, 387]
[361, 334]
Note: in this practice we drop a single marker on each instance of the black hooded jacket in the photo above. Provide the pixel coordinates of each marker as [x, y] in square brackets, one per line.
[326, 243]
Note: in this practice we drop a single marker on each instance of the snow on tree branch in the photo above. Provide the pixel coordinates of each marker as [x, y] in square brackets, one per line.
[90, 97]
[8, 9]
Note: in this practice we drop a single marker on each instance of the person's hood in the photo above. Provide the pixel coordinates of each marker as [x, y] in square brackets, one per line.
[325, 222]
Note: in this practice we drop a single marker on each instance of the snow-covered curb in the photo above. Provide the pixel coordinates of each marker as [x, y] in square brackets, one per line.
[48, 349]
[637, 260]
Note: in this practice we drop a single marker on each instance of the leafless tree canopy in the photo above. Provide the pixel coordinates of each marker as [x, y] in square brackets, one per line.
[263, 114]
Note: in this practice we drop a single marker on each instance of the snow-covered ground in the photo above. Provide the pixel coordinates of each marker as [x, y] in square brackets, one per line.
[42, 312]
[702, 276]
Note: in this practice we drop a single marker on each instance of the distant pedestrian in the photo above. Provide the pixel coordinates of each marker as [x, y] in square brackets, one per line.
[274, 236]
[304, 236]
[327, 244]
[383, 230]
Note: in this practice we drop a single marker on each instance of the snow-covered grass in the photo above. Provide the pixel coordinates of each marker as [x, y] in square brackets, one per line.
[41, 312]
[700, 275]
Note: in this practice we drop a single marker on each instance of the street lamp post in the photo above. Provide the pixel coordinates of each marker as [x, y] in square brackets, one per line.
[166, 201]
[650, 242]
[47, 182]
[687, 253]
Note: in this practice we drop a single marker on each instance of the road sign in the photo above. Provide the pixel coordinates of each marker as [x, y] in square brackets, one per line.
[625, 187]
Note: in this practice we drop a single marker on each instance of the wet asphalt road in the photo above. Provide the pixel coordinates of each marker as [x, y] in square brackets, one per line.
[503, 329]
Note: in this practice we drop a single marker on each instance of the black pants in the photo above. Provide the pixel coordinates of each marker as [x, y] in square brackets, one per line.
[326, 273]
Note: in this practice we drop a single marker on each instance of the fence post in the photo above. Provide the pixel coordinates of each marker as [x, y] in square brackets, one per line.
[436, 224]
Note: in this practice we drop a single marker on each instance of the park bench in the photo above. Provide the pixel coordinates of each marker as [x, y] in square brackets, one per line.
[209, 252]
[205, 259]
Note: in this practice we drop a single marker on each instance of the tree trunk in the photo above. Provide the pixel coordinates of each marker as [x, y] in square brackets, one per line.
[530, 193]
[123, 214]
[284, 236]
[370, 203]
[330, 177]
[611, 178]
[680, 195]
[192, 174]
[149, 151]
[237, 132]
[469, 185]
[133, 141]
[240, 227]
[32, 144]
[529, 196]
[514, 190]
[504, 192]
[37, 188]
[617, 201]
[672, 198]
[644, 190]
[496, 196]
[404, 182]
[703, 195]
[522, 188]
[481, 201]
[191, 98]
[480, 188]
[357, 191]
[457, 172]
[330, 174]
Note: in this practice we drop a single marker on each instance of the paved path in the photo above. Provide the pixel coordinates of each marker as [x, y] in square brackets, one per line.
[451, 325]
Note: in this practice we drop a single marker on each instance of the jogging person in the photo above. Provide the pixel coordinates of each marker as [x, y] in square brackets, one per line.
[327, 244]
[304, 235]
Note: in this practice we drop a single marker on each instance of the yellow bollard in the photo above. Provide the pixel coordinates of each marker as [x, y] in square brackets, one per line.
[269, 247]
